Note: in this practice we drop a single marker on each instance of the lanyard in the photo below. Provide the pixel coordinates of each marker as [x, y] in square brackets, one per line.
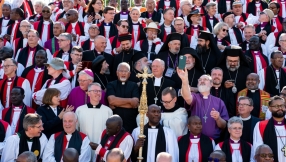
[174, 65]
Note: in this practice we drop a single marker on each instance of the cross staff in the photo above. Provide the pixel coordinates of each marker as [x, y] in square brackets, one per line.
[143, 107]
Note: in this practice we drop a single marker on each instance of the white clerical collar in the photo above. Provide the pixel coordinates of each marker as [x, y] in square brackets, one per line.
[235, 141]
[157, 81]
[135, 22]
[153, 127]
[73, 24]
[167, 26]
[253, 90]
[245, 119]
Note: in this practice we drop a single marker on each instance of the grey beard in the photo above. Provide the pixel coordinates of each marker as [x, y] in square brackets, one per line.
[174, 51]
[203, 88]
[232, 69]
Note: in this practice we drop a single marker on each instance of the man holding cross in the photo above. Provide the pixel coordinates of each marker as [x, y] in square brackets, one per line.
[209, 108]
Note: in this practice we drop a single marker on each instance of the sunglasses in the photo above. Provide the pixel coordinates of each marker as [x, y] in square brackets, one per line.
[44, 11]
[264, 155]
[125, 26]
[225, 30]
[68, 15]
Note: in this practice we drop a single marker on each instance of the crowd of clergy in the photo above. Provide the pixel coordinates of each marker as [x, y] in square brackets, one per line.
[69, 89]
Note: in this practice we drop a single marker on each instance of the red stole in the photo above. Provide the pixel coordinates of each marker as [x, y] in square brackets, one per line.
[281, 8]
[4, 112]
[63, 103]
[261, 9]
[201, 10]
[231, 150]
[19, 83]
[27, 8]
[263, 62]
[77, 28]
[189, 149]
[278, 24]
[36, 24]
[68, 65]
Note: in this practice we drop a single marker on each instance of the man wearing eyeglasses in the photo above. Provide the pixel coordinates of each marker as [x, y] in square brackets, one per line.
[281, 42]
[37, 16]
[53, 44]
[60, 14]
[236, 149]
[272, 132]
[264, 153]
[65, 47]
[113, 44]
[259, 97]
[30, 139]
[107, 28]
[45, 26]
[273, 77]
[22, 41]
[87, 42]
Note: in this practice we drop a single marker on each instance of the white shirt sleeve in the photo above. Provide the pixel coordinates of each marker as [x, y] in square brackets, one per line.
[85, 151]
[28, 92]
[86, 27]
[172, 144]
[137, 46]
[48, 154]
[262, 79]
[8, 134]
[257, 139]
[12, 143]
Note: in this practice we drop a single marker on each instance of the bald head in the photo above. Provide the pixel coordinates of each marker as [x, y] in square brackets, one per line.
[218, 154]
[252, 81]
[192, 118]
[153, 106]
[164, 157]
[70, 115]
[100, 43]
[115, 119]
[115, 155]
[27, 156]
[70, 155]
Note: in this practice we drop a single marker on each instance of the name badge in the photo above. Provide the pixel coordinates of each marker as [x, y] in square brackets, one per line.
[169, 72]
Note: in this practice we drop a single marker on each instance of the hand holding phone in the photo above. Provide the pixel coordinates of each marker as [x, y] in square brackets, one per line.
[182, 62]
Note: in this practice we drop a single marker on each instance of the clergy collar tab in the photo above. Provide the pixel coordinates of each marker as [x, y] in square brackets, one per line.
[279, 123]
[89, 105]
[195, 137]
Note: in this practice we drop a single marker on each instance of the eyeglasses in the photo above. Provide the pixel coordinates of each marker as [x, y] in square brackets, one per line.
[61, 40]
[264, 155]
[236, 128]
[95, 91]
[278, 106]
[239, 104]
[79, 80]
[282, 40]
[166, 102]
[78, 55]
[224, 30]
[210, 159]
[7, 66]
[26, 26]
[125, 26]
[203, 79]
[93, 28]
[45, 11]
[111, 13]
[40, 126]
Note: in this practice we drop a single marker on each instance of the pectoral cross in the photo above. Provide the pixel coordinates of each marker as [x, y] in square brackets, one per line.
[284, 150]
[205, 117]
[155, 99]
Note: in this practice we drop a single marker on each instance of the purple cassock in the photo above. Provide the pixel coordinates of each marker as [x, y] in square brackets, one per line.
[52, 45]
[202, 108]
[78, 97]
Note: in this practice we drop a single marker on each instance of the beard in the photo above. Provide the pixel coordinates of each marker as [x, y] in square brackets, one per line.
[201, 49]
[127, 50]
[174, 51]
[204, 88]
[148, 69]
[275, 114]
[190, 65]
[232, 68]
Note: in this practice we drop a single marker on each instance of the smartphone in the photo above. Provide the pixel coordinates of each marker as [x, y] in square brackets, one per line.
[182, 62]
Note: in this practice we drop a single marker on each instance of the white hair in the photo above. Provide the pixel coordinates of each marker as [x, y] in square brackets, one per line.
[152, 0]
[164, 157]
[60, 23]
[42, 3]
[93, 84]
[233, 120]
[26, 21]
[123, 64]
[218, 27]
[84, 73]
[183, 2]
[281, 36]
[161, 61]
[135, 8]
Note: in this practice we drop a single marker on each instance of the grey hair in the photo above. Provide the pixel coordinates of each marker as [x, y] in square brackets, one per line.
[29, 156]
[178, 19]
[250, 26]
[161, 61]
[152, 0]
[184, 2]
[208, 76]
[42, 3]
[257, 151]
[115, 153]
[62, 25]
[13, 61]
[67, 35]
[233, 120]
[246, 98]
[84, 73]
[93, 84]
[124, 64]
[71, 112]
[210, 4]
[165, 156]
[26, 22]
[282, 35]
[218, 27]
[31, 120]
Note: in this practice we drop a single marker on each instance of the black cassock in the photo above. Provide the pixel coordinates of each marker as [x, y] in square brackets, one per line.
[133, 77]
[226, 95]
[271, 80]
[209, 60]
[238, 75]
[124, 57]
[102, 79]
[155, 91]
[128, 90]
[255, 96]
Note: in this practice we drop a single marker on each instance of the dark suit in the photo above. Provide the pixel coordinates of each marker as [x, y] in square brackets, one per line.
[52, 123]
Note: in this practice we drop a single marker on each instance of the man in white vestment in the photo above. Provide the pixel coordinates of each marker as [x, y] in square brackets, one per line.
[265, 131]
[159, 138]
[93, 115]
[69, 138]
[30, 139]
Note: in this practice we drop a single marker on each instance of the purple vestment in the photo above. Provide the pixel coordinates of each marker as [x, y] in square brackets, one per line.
[48, 45]
[77, 98]
[200, 107]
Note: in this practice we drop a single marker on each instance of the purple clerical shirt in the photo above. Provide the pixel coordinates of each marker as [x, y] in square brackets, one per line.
[78, 97]
[201, 107]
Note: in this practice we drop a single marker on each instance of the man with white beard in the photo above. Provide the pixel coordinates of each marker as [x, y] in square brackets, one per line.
[210, 109]
[235, 67]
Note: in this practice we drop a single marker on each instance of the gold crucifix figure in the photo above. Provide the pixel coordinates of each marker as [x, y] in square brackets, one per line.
[143, 107]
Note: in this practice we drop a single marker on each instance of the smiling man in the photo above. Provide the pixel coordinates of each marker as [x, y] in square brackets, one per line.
[30, 139]
[69, 138]
[114, 136]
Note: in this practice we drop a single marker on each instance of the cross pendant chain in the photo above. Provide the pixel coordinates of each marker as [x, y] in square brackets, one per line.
[205, 117]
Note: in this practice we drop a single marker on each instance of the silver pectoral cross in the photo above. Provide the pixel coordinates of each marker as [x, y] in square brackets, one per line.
[155, 99]
[205, 117]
